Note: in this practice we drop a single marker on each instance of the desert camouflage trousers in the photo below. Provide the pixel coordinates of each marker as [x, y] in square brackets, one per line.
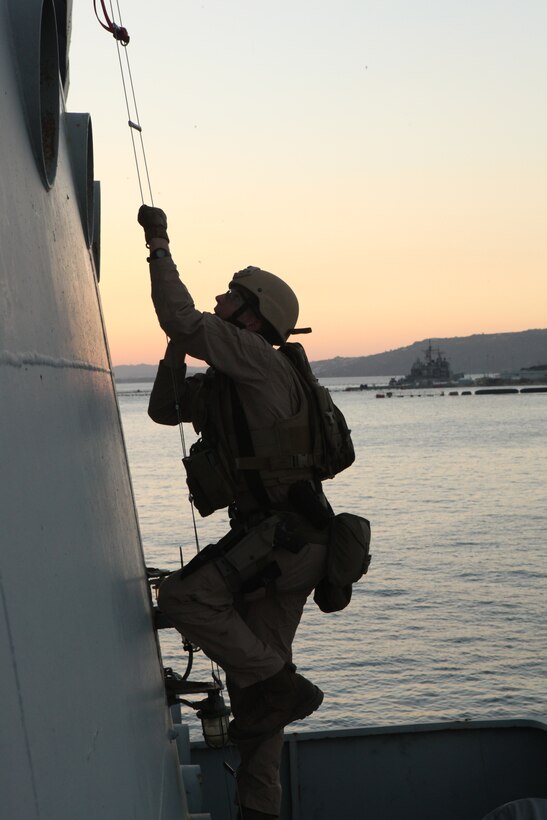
[251, 639]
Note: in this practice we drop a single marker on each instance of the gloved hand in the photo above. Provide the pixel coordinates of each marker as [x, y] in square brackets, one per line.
[154, 222]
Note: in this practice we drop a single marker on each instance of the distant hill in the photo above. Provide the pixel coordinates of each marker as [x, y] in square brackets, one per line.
[135, 372]
[480, 353]
[142, 372]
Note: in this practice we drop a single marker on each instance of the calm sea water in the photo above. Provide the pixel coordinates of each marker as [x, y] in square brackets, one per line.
[450, 621]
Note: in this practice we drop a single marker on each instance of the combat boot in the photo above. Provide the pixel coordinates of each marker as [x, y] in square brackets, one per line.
[268, 706]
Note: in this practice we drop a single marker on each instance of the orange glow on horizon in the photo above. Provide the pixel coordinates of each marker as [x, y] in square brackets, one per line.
[391, 166]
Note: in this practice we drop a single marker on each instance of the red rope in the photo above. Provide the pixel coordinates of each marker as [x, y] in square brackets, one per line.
[118, 32]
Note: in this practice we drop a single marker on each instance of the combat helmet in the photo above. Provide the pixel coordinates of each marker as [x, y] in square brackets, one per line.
[277, 302]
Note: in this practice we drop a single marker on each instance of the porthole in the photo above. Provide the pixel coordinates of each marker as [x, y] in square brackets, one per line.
[35, 41]
[79, 137]
[96, 243]
[63, 13]
[49, 92]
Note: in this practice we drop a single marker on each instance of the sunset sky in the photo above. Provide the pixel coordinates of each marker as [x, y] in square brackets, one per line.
[387, 158]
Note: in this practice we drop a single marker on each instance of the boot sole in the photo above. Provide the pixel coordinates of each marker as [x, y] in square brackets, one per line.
[301, 711]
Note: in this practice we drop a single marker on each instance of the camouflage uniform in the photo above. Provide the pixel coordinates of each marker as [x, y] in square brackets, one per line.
[250, 636]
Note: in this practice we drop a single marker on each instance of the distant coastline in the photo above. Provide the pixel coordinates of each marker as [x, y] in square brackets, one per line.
[487, 353]
[129, 380]
[141, 376]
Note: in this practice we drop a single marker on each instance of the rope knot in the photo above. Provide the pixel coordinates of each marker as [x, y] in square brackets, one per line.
[120, 33]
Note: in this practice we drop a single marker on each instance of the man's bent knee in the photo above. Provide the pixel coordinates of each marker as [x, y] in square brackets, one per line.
[204, 587]
[171, 592]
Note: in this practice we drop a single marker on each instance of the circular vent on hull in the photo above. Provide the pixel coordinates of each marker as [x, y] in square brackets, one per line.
[79, 137]
[35, 40]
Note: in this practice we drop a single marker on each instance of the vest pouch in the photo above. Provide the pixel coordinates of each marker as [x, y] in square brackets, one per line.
[348, 559]
[209, 486]
[247, 564]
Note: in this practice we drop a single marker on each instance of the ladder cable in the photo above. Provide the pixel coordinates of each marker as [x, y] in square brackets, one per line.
[184, 453]
[133, 120]
[122, 39]
[134, 123]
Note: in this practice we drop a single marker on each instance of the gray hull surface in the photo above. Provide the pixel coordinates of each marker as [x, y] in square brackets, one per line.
[85, 727]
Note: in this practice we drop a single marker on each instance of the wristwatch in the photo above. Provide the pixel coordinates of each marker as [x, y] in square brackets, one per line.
[159, 253]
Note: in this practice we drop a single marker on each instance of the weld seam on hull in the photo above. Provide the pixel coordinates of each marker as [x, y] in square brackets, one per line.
[37, 360]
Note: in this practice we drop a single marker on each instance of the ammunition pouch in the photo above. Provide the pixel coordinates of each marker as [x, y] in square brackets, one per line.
[244, 555]
[247, 564]
[348, 559]
[208, 482]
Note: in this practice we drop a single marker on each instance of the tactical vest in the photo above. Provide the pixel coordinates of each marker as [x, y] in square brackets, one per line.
[218, 467]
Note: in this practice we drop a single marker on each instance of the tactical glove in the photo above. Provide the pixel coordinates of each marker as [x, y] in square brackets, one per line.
[154, 222]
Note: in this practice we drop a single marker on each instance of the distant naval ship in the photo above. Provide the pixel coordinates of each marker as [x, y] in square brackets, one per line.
[433, 370]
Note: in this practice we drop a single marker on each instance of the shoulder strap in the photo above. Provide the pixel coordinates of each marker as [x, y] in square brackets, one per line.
[246, 449]
[296, 355]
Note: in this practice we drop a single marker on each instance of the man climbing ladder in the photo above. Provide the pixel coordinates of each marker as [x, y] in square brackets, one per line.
[255, 457]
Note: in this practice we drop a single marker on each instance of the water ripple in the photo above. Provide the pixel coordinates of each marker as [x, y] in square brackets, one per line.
[449, 624]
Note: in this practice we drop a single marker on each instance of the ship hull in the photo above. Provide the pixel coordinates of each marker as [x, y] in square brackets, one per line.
[85, 726]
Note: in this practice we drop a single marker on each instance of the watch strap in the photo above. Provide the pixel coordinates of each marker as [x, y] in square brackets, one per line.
[158, 253]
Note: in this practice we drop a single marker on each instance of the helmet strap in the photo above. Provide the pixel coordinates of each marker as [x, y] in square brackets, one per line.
[236, 314]
[234, 318]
